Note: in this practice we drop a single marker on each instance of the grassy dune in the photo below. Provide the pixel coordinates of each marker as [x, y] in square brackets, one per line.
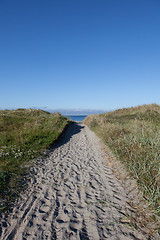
[133, 135]
[24, 134]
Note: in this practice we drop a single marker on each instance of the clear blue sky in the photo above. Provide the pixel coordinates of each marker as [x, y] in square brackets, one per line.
[88, 54]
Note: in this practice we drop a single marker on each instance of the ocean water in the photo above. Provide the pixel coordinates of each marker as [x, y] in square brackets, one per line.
[77, 118]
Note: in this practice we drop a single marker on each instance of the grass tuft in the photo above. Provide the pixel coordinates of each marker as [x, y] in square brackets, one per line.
[24, 134]
[133, 135]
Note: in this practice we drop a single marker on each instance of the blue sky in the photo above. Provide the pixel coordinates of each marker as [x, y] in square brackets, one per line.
[79, 54]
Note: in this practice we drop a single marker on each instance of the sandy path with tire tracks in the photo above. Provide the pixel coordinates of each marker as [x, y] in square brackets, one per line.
[73, 195]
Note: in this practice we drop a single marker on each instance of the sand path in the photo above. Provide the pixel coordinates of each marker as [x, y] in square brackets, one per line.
[73, 195]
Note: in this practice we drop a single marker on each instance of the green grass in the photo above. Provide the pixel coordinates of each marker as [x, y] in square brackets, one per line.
[24, 134]
[133, 135]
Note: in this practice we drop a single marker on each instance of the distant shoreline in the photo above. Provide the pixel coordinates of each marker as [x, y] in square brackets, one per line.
[76, 118]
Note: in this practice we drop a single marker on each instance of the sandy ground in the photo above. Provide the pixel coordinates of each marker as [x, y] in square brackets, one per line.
[73, 195]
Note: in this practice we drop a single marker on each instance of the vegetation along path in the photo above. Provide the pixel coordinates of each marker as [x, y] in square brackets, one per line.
[73, 195]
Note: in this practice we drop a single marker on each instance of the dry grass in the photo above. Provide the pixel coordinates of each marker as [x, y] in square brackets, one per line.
[133, 135]
[24, 134]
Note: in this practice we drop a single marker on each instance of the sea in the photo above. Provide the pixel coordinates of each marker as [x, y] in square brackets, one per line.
[77, 118]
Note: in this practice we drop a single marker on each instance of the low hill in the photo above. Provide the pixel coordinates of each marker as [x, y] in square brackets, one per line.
[133, 135]
[24, 134]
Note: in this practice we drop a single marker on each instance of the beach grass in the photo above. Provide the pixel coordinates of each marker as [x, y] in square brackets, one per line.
[24, 134]
[133, 136]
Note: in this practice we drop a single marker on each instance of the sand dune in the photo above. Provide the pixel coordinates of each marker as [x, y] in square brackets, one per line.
[73, 195]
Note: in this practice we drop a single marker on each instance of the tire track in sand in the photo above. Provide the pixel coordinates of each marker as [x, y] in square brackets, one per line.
[73, 195]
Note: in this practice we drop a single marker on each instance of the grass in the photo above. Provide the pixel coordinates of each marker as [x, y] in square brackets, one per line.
[133, 135]
[24, 134]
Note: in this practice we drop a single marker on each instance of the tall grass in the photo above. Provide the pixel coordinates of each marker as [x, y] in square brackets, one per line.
[23, 136]
[133, 135]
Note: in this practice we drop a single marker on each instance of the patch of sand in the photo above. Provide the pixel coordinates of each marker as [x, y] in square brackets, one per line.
[73, 195]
